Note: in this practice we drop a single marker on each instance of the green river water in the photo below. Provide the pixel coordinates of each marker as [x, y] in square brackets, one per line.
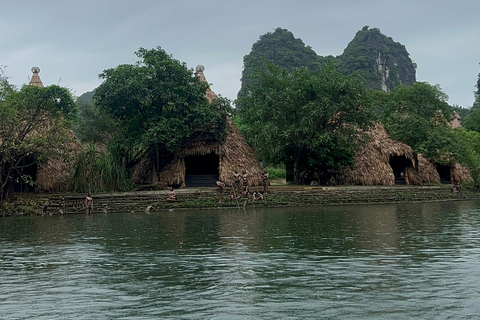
[396, 261]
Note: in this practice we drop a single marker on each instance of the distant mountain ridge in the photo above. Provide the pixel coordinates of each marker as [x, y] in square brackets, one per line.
[87, 97]
[384, 63]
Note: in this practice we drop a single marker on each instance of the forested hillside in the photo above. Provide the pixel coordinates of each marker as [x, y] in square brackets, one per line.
[383, 62]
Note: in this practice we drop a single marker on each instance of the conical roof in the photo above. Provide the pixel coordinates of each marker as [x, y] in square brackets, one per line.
[209, 94]
[35, 80]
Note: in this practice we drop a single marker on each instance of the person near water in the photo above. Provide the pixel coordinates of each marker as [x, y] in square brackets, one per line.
[171, 195]
[265, 181]
[220, 188]
[89, 204]
[245, 194]
[236, 182]
[257, 196]
[245, 178]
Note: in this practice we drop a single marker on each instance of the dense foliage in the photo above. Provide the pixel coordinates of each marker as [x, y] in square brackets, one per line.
[308, 119]
[95, 171]
[159, 105]
[419, 116]
[33, 128]
[93, 125]
[472, 118]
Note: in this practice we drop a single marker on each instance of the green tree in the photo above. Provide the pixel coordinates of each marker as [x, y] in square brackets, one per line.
[308, 119]
[418, 115]
[92, 125]
[34, 127]
[159, 105]
[472, 119]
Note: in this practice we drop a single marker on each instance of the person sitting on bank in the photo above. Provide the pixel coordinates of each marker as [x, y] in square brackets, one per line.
[457, 187]
[89, 204]
[171, 196]
[257, 196]
[220, 187]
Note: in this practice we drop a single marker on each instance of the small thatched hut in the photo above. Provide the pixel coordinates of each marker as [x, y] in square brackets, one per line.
[383, 161]
[52, 175]
[201, 163]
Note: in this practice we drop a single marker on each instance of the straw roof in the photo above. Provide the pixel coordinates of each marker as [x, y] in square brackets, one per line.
[456, 121]
[209, 94]
[460, 174]
[55, 173]
[372, 162]
[35, 80]
[424, 172]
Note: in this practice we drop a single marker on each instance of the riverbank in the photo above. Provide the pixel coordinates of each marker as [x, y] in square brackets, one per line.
[204, 198]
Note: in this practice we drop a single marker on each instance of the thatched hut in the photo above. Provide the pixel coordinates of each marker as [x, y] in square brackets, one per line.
[384, 161]
[53, 174]
[201, 163]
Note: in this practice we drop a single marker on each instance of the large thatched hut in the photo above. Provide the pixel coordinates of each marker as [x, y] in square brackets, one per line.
[201, 163]
[384, 161]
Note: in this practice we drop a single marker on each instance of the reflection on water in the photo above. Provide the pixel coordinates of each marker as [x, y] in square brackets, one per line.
[401, 261]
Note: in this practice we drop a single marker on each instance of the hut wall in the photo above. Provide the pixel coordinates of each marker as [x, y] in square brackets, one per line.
[460, 174]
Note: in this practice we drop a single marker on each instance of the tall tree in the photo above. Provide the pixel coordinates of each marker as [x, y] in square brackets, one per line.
[159, 104]
[472, 119]
[33, 128]
[309, 119]
[418, 115]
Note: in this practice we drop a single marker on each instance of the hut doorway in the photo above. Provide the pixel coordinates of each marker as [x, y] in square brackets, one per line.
[443, 172]
[399, 164]
[201, 171]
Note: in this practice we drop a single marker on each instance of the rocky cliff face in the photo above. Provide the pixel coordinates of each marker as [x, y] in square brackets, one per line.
[384, 62]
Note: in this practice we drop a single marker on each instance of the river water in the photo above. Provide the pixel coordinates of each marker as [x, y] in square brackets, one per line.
[399, 261]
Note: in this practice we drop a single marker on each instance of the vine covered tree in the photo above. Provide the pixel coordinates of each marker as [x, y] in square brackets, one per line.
[419, 115]
[158, 104]
[310, 120]
[34, 127]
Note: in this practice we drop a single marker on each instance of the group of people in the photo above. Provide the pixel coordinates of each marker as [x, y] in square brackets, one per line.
[240, 188]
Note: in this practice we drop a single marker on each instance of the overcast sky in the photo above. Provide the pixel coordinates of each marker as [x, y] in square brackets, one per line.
[74, 41]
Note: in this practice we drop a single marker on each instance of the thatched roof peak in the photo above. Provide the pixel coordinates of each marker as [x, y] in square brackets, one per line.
[35, 80]
[209, 94]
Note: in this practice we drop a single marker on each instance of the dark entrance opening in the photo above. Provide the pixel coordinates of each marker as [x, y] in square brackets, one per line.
[201, 171]
[26, 173]
[443, 172]
[399, 164]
